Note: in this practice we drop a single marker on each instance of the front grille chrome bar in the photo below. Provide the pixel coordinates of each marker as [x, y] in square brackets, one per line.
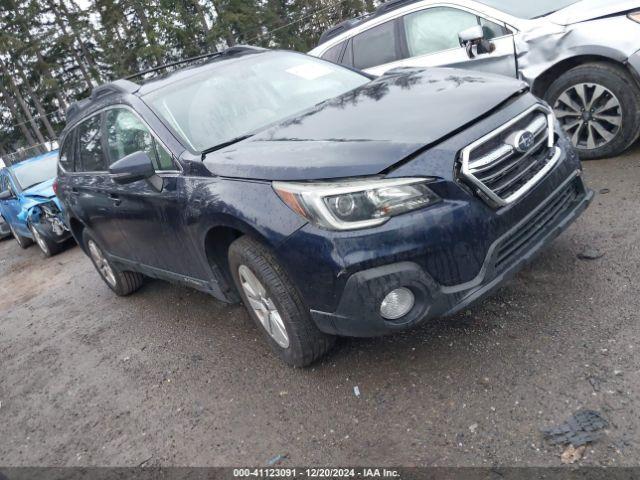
[500, 171]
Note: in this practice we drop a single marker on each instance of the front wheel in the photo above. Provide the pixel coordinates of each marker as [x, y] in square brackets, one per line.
[47, 246]
[275, 304]
[122, 283]
[597, 104]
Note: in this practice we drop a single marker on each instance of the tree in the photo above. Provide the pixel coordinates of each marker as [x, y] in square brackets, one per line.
[54, 51]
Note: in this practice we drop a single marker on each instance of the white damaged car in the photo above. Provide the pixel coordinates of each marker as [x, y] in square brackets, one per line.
[581, 56]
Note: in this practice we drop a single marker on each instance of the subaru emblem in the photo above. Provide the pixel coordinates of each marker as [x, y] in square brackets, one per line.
[524, 141]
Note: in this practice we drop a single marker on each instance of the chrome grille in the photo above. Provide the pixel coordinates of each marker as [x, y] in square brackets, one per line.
[507, 163]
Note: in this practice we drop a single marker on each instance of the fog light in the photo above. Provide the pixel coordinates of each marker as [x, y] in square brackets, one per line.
[397, 304]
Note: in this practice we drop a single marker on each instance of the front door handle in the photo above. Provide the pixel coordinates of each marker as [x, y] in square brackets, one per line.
[116, 199]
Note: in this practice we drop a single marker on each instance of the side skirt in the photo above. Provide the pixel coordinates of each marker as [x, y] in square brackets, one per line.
[211, 287]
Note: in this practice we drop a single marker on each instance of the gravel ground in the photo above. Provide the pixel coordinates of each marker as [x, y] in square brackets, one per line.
[170, 376]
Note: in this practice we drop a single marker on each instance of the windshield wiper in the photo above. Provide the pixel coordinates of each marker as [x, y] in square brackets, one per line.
[225, 144]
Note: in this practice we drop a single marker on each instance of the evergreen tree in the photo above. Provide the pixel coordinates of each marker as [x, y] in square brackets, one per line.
[53, 51]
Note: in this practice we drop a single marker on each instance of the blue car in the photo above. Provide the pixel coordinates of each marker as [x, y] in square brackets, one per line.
[28, 204]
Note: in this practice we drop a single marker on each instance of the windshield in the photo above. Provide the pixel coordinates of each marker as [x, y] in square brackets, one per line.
[31, 173]
[235, 99]
[529, 10]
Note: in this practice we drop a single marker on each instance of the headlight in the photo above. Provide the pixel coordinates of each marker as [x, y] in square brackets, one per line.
[351, 205]
[635, 16]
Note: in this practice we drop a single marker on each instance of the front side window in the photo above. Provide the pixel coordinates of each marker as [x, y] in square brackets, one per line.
[493, 30]
[236, 97]
[375, 46]
[90, 146]
[436, 29]
[127, 134]
[34, 172]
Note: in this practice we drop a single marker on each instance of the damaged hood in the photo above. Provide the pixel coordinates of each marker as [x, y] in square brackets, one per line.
[592, 9]
[37, 195]
[42, 191]
[367, 130]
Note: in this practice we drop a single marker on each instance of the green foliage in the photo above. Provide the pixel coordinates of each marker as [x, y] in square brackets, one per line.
[56, 51]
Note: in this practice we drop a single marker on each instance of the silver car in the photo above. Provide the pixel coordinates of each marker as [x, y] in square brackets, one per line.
[581, 56]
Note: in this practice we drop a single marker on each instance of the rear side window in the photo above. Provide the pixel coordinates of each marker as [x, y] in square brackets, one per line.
[334, 53]
[66, 153]
[90, 151]
[376, 46]
[127, 134]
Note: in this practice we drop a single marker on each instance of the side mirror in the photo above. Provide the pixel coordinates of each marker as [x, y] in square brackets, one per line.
[133, 167]
[474, 37]
[6, 195]
[471, 35]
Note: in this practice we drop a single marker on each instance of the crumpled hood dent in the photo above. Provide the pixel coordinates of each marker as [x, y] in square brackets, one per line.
[368, 130]
[34, 196]
[43, 191]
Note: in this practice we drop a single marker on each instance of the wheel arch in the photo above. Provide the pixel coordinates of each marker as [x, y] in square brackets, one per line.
[216, 242]
[546, 78]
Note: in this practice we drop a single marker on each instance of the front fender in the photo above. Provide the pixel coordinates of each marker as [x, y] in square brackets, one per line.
[545, 46]
[243, 209]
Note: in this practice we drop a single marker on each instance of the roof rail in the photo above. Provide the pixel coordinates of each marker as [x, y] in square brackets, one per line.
[342, 27]
[390, 5]
[126, 86]
[338, 29]
[75, 108]
[119, 86]
[228, 51]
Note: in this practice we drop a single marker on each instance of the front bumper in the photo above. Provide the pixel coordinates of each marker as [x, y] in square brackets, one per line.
[51, 226]
[53, 233]
[357, 313]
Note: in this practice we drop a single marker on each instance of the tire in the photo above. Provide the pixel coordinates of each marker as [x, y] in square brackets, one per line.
[123, 283]
[597, 86]
[306, 343]
[47, 246]
[23, 242]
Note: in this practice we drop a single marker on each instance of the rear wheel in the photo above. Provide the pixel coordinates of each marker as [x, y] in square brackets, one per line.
[275, 305]
[23, 242]
[597, 104]
[47, 246]
[122, 283]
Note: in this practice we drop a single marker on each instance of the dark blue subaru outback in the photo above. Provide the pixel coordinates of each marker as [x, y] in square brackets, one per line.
[329, 202]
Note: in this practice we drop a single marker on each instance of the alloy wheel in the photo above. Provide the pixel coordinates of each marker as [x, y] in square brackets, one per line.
[102, 263]
[590, 113]
[263, 306]
[39, 240]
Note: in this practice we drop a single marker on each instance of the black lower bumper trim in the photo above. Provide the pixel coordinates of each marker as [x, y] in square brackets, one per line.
[357, 313]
